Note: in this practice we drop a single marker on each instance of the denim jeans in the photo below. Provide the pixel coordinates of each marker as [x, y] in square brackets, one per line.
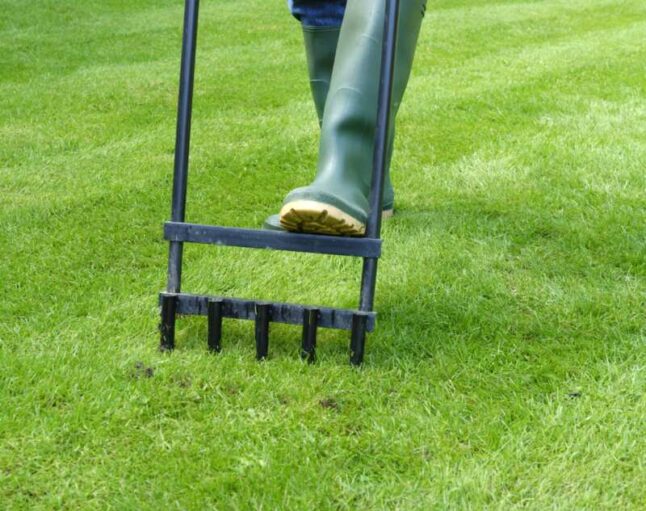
[318, 13]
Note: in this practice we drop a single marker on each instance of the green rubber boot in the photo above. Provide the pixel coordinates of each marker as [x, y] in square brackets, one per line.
[320, 49]
[336, 202]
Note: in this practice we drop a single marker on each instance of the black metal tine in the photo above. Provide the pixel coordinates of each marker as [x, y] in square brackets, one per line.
[167, 325]
[310, 326]
[263, 317]
[358, 338]
[215, 325]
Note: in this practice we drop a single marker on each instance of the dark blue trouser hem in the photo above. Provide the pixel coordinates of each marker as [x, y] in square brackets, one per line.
[318, 13]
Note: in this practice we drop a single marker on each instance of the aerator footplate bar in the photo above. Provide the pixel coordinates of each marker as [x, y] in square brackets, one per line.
[275, 240]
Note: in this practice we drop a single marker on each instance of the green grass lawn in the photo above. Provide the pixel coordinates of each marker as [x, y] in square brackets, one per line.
[507, 370]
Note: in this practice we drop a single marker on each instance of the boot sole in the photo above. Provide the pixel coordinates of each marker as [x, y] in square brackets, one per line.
[319, 218]
[315, 217]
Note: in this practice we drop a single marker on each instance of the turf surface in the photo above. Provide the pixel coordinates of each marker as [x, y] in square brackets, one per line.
[507, 371]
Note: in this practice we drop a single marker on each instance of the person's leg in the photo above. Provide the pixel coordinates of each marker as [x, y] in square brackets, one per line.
[337, 201]
[321, 24]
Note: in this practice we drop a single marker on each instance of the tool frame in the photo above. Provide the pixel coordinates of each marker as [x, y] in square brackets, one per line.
[173, 302]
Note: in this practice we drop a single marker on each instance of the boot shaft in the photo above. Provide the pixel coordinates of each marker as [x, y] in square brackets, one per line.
[320, 50]
[343, 180]
[349, 122]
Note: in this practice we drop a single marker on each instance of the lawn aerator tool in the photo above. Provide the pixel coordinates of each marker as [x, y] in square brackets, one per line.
[178, 232]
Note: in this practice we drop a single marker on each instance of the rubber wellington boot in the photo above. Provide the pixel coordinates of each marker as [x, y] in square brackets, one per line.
[336, 202]
[320, 49]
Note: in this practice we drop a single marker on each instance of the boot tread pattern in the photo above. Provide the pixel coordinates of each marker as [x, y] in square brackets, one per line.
[318, 218]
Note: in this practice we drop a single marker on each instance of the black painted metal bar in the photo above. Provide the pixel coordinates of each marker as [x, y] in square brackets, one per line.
[310, 326]
[167, 326]
[275, 240]
[214, 315]
[263, 317]
[287, 313]
[386, 81]
[183, 138]
[358, 339]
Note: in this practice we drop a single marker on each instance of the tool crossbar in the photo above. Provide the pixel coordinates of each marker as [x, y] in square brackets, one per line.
[288, 313]
[275, 240]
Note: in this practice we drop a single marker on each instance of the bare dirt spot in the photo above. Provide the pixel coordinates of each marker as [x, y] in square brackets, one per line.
[141, 370]
[329, 403]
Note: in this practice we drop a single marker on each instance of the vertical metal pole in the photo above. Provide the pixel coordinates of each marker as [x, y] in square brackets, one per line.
[183, 138]
[386, 81]
[380, 161]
